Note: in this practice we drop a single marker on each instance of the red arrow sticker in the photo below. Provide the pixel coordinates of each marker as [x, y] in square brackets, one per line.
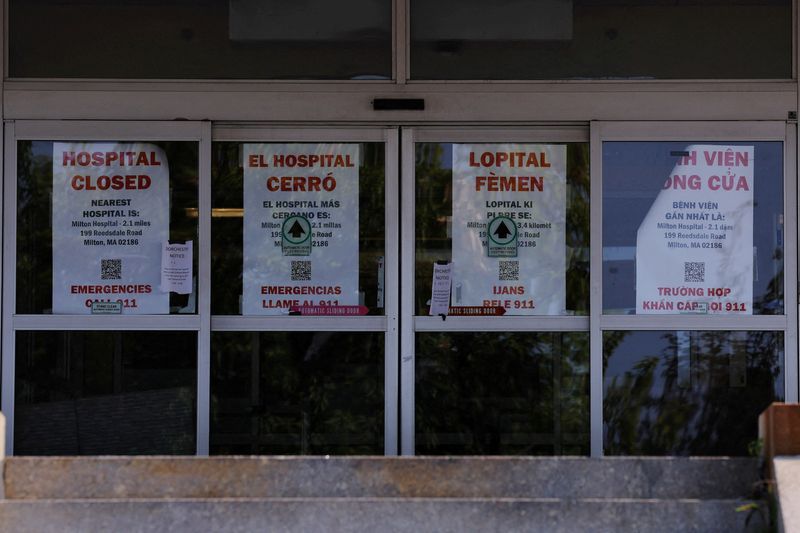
[468, 310]
[329, 310]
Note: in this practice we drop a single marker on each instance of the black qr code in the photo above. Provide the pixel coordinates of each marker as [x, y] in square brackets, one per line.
[111, 269]
[694, 272]
[301, 270]
[509, 271]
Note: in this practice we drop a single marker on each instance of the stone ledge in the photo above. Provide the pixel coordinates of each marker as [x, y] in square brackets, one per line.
[433, 477]
[787, 477]
[344, 515]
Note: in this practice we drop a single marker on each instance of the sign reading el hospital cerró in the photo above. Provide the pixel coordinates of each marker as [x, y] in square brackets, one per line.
[300, 227]
[509, 218]
[110, 218]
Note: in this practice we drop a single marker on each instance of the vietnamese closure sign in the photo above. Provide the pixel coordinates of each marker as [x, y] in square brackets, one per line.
[110, 218]
[509, 218]
[300, 227]
[694, 249]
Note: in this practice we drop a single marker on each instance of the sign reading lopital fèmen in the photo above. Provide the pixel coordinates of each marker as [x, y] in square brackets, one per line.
[509, 227]
[694, 248]
[300, 227]
[110, 218]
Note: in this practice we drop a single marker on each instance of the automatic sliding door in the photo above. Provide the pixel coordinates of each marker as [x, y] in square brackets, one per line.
[303, 342]
[102, 306]
[503, 366]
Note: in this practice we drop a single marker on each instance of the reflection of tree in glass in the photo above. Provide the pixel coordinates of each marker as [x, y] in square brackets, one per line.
[371, 214]
[297, 393]
[433, 205]
[502, 393]
[771, 301]
[34, 248]
[226, 232]
[577, 235]
[650, 409]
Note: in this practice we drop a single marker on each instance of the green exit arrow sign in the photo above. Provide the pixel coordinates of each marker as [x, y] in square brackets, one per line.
[296, 236]
[501, 233]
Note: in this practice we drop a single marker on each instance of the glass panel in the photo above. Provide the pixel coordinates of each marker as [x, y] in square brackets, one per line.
[543, 254]
[600, 39]
[211, 39]
[297, 393]
[97, 236]
[343, 264]
[502, 393]
[105, 393]
[688, 392]
[693, 228]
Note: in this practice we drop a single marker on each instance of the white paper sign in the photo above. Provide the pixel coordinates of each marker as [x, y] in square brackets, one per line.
[440, 289]
[176, 268]
[521, 269]
[694, 249]
[110, 216]
[300, 226]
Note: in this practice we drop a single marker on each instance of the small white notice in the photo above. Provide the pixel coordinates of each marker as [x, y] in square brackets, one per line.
[440, 292]
[176, 268]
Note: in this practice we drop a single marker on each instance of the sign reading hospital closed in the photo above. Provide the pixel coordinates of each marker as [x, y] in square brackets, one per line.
[509, 223]
[110, 217]
[300, 227]
[694, 248]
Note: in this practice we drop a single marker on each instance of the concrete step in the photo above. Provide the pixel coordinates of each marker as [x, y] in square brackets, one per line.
[74, 478]
[373, 514]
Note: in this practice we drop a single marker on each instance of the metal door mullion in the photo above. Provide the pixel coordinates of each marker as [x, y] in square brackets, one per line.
[407, 255]
[296, 323]
[693, 322]
[106, 322]
[203, 427]
[512, 323]
[9, 280]
[391, 294]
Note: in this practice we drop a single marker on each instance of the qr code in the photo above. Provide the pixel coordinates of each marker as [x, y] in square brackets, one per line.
[301, 270]
[509, 271]
[694, 272]
[111, 269]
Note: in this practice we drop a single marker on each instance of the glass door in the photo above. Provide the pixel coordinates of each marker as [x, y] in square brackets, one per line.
[694, 284]
[496, 292]
[304, 291]
[617, 288]
[105, 310]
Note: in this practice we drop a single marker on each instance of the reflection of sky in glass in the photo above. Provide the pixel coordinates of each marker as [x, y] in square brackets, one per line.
[633, 173]
[42, 148]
